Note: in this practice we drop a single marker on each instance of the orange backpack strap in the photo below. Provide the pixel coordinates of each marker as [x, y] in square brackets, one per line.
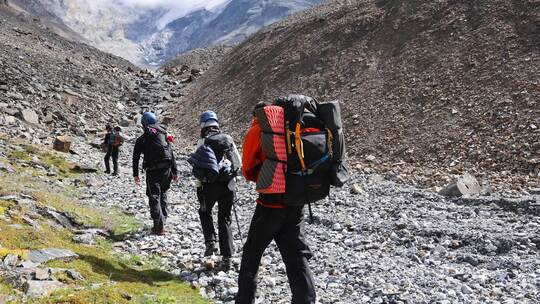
[288, 134]
[299, 146]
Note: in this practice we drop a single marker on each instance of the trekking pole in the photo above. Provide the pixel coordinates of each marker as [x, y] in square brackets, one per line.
[237, 222]
[310, 213]
[236, 214]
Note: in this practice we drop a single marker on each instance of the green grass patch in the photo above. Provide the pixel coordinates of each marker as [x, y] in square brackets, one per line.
[135, 260]
[57, 161]
[109, 277]
[23, 152]
[21, 253]
[4, 207]
[111, 219]
[116, 280]
[32, 149]
[170, 292]
[46, 157]
[5, 289]
[132, 259]
[19, 155]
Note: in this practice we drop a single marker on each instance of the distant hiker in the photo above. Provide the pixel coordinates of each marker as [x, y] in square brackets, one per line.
[160, 166]
[289, 152]
[215, 165]
[111, 145]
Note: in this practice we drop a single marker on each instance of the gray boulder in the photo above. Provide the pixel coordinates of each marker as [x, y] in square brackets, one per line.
[74, 275]
[6, 167]
[463, 185]
[11, 260]
[45, 255]
[30, 116]
[35, 288]
[62, 144]
[42, 274]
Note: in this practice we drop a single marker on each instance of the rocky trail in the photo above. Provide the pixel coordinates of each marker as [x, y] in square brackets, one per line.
[373, 241]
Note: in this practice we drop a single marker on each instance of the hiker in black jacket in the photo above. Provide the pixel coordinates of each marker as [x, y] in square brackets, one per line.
[160, 166]
[111, 150]
[217, 150]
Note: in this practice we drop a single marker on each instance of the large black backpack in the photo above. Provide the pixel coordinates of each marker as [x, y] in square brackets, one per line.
[315, 149]
[157, 150]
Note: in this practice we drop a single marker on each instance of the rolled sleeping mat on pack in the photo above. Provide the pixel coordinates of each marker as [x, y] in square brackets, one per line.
[271, 178]
[330, 113]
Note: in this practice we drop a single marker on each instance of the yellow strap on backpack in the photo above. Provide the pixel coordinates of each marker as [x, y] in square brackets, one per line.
[299, 146]
[330, 143]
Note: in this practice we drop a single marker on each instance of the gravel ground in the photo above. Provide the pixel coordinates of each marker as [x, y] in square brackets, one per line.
[386, 244]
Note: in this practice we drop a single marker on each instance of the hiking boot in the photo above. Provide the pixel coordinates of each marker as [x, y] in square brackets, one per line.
[210, 249]
[158, 228]
[225, 264]
[107, 172]
[115, 174]
[157, 231]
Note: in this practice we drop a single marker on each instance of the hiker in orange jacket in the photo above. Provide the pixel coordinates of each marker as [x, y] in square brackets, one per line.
[272, 221]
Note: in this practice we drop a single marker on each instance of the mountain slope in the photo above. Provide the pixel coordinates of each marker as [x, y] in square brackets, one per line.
[51, 85]
[70, 86]
[446, 83]
[229, 24]
[143, 34]
[111, 26]
[48, 19]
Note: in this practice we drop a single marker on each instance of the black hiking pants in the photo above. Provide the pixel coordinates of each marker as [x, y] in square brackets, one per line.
[285, 227]
[158, 181]
[112, 152]
[208, 195]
